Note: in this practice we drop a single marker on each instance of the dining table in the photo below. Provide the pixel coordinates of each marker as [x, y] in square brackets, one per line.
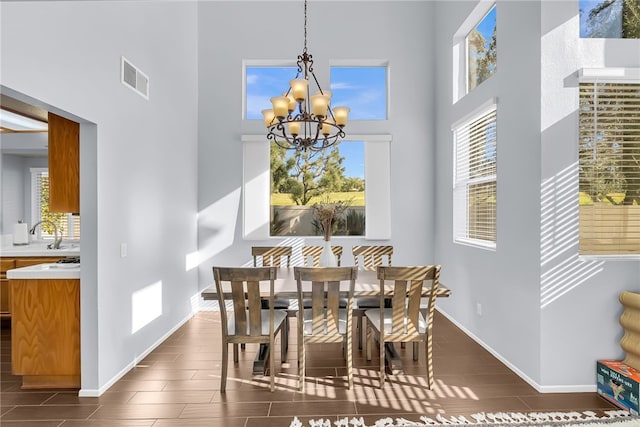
[286, 289]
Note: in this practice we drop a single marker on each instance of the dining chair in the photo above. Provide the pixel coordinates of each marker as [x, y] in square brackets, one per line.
[369, 257]
[311, 255]
[248, 322]
[271, 255]
[325, 322]
[404, 321]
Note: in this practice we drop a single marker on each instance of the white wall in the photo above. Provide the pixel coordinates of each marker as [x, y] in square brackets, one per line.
[398, 32]
[140, 184]
[548, 314]
[13, 191]
[580, 320]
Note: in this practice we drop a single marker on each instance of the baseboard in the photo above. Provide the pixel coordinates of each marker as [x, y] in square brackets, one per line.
[136, 360]
[518, 372]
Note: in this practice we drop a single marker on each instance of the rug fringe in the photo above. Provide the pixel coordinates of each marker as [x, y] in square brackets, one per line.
[478, 419]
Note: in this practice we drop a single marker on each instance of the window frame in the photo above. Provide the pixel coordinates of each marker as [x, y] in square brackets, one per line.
[459, 48]
[256, 187]
[601, 75]
[460, 185]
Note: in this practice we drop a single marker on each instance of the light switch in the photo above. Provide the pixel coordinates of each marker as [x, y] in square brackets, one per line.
[123, 250]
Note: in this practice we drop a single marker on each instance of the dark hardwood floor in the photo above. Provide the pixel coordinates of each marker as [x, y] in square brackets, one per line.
[178, 385]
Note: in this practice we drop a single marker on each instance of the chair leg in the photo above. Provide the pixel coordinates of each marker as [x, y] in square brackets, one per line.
[428, 354]
[301, 362]
[284, 342]
[349, 357]
[416, 351]
[235, 353]
[243, 346]
[272, 365]
[382, 357]
[360, 331]
[368, 340]
[225, 363]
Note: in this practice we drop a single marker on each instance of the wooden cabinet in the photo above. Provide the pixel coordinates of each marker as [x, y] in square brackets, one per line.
[9, 263]
[64, 165]
[45, 332]
[5, 264]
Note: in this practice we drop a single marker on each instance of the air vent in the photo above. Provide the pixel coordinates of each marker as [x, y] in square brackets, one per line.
[135, 79]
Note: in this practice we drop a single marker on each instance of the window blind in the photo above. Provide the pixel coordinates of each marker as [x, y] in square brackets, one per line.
[475, 171]
[68, 224]
[609, 168]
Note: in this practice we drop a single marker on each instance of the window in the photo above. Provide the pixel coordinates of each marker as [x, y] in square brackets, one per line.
[474, 190]
[482, 50]
[618, 19]
[301, 179]
[68, 224]
[609, 168]
[363, 89]
[261, 84]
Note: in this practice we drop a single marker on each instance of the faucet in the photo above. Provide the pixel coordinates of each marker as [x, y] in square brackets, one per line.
[57, 240]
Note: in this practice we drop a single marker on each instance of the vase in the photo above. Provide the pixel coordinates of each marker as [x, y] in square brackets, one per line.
[327, 257]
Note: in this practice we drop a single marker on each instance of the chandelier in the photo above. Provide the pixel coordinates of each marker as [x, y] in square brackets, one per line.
[300, 121]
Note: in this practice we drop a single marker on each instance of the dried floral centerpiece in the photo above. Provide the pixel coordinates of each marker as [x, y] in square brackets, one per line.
[327, 214]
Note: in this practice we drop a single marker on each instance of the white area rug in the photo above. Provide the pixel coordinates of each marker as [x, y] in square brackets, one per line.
[507, 419]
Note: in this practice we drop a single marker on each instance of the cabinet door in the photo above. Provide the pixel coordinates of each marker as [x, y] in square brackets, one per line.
[7, 264]
[64, 165]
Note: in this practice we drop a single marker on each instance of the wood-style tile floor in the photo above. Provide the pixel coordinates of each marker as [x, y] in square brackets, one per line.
[178, 385]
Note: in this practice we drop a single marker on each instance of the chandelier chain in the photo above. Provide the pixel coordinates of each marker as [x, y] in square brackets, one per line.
[305, 26]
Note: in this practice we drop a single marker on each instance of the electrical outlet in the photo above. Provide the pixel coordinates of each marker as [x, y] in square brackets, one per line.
[479, 309]
[123, 250]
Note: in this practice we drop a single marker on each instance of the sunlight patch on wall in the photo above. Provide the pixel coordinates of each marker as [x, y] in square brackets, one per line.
[216, 229]
[559, 214]
[146, 305]
[566, 276]
[562, 268]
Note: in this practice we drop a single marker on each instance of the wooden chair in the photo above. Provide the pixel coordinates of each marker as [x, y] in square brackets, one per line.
[248, 322]
[369, 258]
[325, 322]
[313, 253]
[271, 255]
[404, 321]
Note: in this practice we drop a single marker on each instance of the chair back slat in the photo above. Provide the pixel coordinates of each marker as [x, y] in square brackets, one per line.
[313, 253]
[317, 308]
[255, 308]
[372, 256]
[271, 255]
[239, 307]
[333, 307]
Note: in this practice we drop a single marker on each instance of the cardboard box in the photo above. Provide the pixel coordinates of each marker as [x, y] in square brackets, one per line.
[619, 384]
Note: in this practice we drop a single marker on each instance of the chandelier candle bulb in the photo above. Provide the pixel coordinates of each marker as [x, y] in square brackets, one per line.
[299, 89]
[319, 105]
[280, 106]
[294, 128]
[269, 117]
[341, 114]
[326, 127]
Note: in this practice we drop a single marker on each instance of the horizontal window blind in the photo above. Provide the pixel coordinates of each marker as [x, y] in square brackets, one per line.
[475, 171]
[609, 168]
[68, 224]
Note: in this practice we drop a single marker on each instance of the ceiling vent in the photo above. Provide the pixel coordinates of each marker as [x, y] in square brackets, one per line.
[133, 78]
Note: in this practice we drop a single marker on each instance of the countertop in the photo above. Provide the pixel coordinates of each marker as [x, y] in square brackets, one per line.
[46, 271]
[40, 249]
